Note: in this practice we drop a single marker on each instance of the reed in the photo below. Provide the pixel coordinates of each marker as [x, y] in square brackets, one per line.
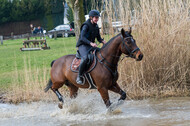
[161, 29]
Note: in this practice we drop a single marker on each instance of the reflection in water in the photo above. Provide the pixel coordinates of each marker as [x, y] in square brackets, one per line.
[90, 110]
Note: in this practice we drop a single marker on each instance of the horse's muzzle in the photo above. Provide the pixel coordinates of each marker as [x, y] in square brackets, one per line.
[140, 57]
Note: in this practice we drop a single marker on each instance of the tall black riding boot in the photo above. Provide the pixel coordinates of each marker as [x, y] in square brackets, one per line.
[81, 71]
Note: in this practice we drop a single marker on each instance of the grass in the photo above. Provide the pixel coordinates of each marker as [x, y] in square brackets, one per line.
[12, 59]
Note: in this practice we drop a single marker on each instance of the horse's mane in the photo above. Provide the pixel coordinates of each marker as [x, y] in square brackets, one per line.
[110, 41]
[128, 35]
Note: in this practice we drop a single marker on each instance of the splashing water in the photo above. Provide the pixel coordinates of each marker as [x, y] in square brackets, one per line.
[89, 109]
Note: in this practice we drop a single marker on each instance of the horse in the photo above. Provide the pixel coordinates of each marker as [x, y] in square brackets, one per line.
[104, 75]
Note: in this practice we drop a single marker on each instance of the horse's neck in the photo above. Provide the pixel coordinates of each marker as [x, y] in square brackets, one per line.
[112, 52]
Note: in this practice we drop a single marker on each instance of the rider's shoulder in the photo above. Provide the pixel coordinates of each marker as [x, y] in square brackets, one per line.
[84, 26]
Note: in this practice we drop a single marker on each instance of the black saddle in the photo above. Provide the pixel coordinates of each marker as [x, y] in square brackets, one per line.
[90, 57]
[91, 63]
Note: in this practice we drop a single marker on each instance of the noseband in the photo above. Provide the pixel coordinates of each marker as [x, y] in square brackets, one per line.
[129, 51]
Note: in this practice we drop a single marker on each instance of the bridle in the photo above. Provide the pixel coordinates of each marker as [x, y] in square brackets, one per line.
[129, 51]
[114, 72]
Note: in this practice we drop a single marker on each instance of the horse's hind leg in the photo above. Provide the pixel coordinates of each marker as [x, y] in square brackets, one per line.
[115, 88]
[73, 89]
[60, 97]
[55, 86]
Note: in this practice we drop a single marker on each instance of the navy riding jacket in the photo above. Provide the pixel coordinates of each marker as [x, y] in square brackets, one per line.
[88, 33]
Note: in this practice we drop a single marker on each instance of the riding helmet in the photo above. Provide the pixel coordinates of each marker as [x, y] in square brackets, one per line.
[94, 13]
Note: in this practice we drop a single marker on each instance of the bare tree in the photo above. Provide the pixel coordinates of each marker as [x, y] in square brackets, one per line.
[78, 13]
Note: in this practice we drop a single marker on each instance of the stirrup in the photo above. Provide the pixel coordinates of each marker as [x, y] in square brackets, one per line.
[79, 80]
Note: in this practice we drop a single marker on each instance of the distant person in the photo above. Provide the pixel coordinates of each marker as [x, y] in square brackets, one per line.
[38, 30]
[34, 30]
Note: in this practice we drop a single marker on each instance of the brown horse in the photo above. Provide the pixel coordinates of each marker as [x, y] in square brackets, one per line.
[104, 74]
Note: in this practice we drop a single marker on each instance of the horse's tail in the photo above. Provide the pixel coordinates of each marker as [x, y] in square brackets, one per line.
[48, 86]
[52, 63]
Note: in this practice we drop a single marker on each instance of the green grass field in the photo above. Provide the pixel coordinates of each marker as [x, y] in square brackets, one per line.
[12, 59]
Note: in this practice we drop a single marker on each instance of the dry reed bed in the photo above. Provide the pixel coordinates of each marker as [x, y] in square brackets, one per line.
[161, 30]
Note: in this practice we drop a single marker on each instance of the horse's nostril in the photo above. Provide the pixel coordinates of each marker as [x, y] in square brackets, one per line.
[140, 57]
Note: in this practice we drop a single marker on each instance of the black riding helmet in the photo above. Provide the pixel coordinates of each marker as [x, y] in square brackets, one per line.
[94, 13]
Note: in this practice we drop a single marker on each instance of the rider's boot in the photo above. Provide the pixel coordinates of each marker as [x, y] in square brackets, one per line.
[81, 71]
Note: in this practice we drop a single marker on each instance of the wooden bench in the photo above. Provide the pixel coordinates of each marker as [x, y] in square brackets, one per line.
[40, 44]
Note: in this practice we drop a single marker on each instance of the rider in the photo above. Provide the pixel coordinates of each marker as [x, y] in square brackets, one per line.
[89, 31]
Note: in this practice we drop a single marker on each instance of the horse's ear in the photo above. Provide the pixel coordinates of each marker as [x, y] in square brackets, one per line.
[130, 30]
[123, 32]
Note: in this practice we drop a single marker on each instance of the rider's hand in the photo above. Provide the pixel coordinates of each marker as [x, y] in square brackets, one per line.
[93, 44]
[104, 42]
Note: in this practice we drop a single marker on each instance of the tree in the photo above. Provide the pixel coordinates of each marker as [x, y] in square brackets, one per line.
[92, 4]
[5, 8]
[70, 15]
[78, 13]
[25, 10]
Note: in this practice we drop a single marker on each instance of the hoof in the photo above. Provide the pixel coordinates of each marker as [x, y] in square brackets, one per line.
[114, 106]
[60, 105]
[108, 104]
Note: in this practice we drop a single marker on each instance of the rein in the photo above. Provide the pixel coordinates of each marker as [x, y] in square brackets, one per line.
[103, 59]
[114, 73]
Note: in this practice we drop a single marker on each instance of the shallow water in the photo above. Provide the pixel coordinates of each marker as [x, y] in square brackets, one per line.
[90, 110]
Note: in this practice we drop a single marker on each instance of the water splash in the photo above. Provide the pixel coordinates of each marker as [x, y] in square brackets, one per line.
[89, 109]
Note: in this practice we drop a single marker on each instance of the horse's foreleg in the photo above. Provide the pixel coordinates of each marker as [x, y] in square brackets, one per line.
[115, 88]
[60, 97]
[105, 96]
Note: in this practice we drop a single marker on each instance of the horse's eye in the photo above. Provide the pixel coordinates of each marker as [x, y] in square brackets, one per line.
[128, 42]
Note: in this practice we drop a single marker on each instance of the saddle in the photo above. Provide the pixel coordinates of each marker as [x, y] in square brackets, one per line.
[90, 64]
[92, 61]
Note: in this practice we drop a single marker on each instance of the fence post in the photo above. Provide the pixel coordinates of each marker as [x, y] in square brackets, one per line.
[63, 34]
[55, 35]
[1, 38]
[12, 35]
[28, 36]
